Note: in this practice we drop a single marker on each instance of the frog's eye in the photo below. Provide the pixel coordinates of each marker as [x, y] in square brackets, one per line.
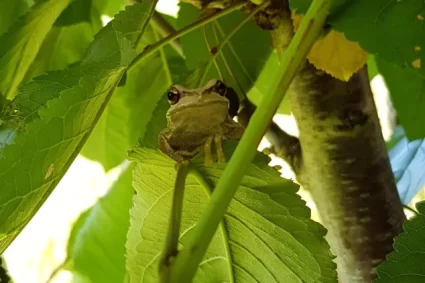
[173, 96]
[220, 88]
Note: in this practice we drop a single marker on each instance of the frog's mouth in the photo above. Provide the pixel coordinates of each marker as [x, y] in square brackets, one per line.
[195, 105]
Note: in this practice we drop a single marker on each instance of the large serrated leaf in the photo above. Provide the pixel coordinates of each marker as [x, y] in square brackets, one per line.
[61, 109]
[97, 246]
[406, 263]
[19, 46]
[267, 235]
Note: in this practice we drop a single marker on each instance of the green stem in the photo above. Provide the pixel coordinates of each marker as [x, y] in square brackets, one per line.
[198, 176]
[146, 23]
[186, 263]
[229, 36]
[149, 50]
[173, 235]
[165, 29]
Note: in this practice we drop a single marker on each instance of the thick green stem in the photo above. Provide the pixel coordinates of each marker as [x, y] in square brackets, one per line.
[186, 263]
[171, 243]
[165, 29]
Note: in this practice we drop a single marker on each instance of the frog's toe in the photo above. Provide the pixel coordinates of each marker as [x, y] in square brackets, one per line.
[207, 151]
[208, 159]
[219, 149]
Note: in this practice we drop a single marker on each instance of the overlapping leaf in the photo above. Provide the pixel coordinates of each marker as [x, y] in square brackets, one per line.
[97, 246]
[14, 10]
[130, 109]
[391, 29]
[407, 91]
[334, 54]
[19, 46]
[61, 109]
[240, 61]
[267, 235]
[61, 49]
[109, 7]
[406, 263]
[77, 12]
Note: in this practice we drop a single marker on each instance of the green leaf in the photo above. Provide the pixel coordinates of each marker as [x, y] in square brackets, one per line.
[372, 68]
[130, 109]
[241, 59]
[406, 263]
[407, 90]
[267, 235]
[371, 22]
[60, 110]
[109, 7]
[78, 11]
[21, 43]
[11, 11]
[263, 86]
[97, 247]
[61, 49]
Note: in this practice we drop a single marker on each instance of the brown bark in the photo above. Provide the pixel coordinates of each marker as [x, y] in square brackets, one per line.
[344, 164]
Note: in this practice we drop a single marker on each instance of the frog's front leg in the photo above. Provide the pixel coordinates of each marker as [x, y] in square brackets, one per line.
[219, 149]
[178, 155]
[207, 151]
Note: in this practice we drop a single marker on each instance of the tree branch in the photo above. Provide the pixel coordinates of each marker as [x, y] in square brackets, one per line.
[165, 29]
[284, 145]
[345, 165]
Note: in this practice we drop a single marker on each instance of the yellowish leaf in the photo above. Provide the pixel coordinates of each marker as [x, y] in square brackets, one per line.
[335, 54]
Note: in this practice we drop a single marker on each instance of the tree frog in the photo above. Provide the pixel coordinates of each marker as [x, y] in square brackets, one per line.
[197, 118]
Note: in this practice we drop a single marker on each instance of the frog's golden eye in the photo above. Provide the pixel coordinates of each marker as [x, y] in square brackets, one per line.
[220, 88]
[173, 96]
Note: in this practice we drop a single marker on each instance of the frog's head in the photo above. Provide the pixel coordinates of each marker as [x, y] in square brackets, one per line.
[211, 96]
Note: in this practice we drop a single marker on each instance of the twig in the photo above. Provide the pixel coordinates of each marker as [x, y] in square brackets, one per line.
[56, 271]
[410, 209]
[165, 29]
[149, 50]
[172, 240]
[284, 145]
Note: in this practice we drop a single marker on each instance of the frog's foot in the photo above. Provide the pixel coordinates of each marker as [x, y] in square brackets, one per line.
[183, 156]
[207, 151]
[219, 149]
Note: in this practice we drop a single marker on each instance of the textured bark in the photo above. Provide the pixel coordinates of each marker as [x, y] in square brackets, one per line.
[346, 168]
[344, 164]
